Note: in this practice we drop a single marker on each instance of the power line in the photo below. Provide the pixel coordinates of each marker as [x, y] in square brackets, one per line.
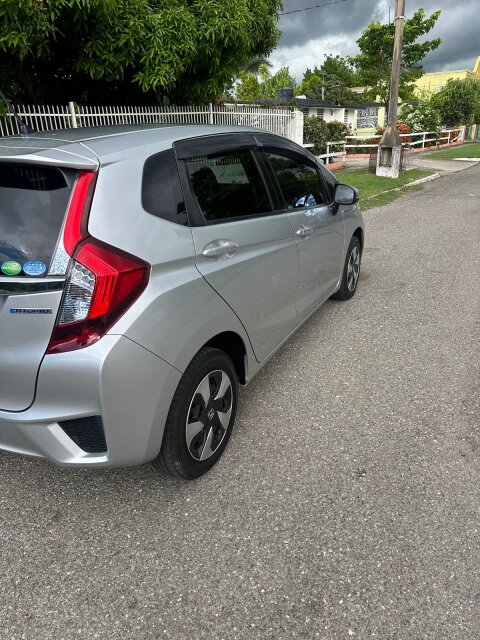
[316, 6]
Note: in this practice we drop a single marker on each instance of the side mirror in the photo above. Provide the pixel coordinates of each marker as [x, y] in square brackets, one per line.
[345, 195]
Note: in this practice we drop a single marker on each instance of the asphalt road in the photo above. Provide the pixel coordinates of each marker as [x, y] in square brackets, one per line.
[347, 502]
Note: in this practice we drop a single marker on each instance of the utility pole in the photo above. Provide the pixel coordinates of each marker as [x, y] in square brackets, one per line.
[323, 84]
[390, 146]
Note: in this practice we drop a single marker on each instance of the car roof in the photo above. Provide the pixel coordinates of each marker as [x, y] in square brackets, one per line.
[86, 146]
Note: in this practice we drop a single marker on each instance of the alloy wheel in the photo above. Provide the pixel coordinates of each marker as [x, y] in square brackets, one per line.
[209, 415]
[353, 269]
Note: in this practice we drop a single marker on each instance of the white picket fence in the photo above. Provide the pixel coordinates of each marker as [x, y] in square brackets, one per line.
[284, 121]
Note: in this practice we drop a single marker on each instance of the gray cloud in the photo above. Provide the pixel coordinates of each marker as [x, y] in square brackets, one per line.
[308, 35]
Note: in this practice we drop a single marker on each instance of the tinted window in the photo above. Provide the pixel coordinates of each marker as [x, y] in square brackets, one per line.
[161, 191]
[298, 178]
[228, 185]
[33, 202]
[330, 182]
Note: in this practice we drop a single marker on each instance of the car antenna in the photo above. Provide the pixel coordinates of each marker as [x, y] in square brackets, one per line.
[23, 127]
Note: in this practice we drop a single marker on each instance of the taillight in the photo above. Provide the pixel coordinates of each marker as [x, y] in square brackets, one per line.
[103, 282]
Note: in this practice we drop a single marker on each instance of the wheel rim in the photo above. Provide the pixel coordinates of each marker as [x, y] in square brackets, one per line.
[353, 269]
[209, 415]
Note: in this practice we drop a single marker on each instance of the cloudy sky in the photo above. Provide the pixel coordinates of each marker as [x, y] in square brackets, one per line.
[308, 35]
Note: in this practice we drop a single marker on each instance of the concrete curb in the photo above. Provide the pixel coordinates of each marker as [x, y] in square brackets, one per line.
[434, 176]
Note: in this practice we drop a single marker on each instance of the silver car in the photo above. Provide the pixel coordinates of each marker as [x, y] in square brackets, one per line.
[146, 272]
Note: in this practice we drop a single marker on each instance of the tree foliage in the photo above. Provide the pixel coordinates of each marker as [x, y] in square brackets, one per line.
[263, 86]
[421, 115]
[374, 62]
[332, 80]
[120, 50]
[459, 102]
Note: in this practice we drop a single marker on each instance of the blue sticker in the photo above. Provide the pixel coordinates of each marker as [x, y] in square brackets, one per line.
[34, 268]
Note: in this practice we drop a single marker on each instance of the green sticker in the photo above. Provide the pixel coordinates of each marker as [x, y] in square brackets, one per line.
[11, 268]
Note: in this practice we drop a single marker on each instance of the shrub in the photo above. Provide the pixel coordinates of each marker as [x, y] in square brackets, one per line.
[423, 115]
[402, 128]
[459, 102]
[338, 130]
[318, 132]
[356, 150]
[315, 131]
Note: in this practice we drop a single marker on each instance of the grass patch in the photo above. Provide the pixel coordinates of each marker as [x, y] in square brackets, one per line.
[385, 198]
[467, 150]
[371, 187]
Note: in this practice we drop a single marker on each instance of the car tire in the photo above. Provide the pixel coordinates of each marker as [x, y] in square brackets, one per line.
[351, 271]
[201, 416]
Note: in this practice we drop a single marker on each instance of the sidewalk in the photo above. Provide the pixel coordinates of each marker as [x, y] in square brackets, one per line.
[418, 161]
[440, 164]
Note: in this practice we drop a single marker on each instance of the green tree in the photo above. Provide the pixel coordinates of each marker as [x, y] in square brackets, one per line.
[374, 62]
[248, 87]
[263, 86]
[459, 102]
[332, 81]
[272, 85]
[120, 50]
[340, 69]
[312, 86]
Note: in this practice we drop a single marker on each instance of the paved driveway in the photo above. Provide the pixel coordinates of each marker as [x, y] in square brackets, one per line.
[347, 504]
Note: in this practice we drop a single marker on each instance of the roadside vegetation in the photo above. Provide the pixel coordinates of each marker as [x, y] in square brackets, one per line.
[373, 188]
[468, 150]
[459, 102]
[140, 51]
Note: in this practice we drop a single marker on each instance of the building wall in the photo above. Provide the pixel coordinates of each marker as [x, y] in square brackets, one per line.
[348, 116]
[376, 121]
[435, 82]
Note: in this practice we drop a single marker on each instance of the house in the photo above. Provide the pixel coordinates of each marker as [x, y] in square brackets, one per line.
[435, 82]
[363, 117]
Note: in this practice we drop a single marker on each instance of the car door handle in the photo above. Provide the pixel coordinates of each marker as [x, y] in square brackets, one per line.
[220, 248]
[304, 231]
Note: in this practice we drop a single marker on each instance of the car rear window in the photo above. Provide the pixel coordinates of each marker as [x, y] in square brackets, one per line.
[33, 202]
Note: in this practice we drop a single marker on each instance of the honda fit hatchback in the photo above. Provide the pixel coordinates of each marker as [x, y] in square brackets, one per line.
[146, 273]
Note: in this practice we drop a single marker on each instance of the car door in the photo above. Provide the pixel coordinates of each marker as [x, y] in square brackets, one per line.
[317, 224]
[244, 249]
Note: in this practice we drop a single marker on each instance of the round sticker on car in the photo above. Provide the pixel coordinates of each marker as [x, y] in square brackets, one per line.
[34, 268]
[11, 268]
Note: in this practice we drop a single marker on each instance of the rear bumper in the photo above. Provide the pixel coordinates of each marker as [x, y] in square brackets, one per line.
[128, 386]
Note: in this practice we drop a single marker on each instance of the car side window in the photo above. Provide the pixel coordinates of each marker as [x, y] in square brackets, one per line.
[162, 194]
[228, 185]
[330, 182]
[298, 178]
